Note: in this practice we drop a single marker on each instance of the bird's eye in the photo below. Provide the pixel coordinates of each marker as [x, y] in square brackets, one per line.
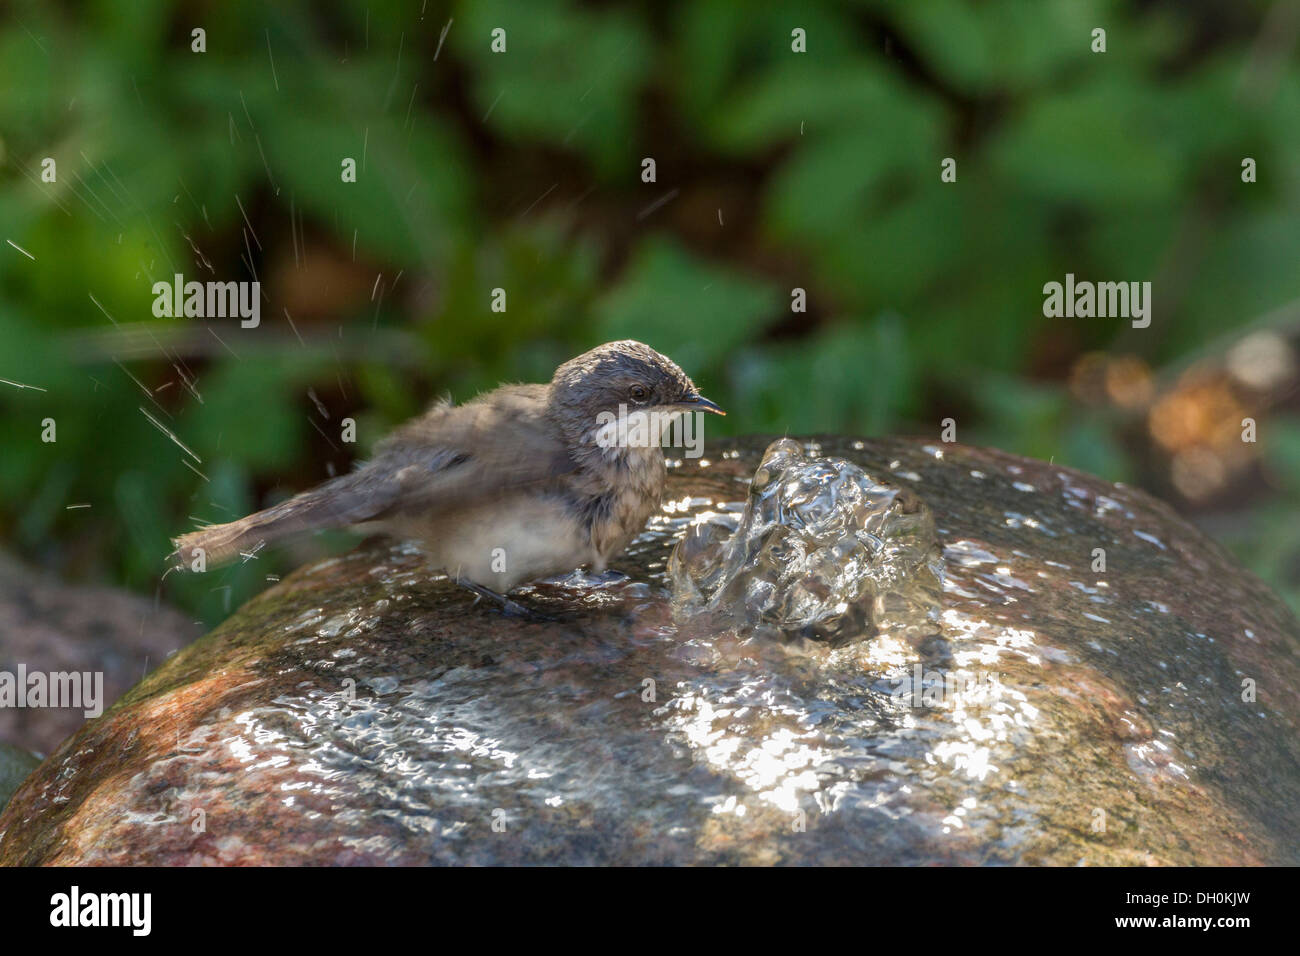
[638, 393]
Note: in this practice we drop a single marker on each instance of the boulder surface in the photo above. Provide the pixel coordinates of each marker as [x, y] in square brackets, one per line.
[366, 711]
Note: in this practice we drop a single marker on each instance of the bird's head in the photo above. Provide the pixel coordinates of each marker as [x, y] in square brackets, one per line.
[601, 390]
[628, 375]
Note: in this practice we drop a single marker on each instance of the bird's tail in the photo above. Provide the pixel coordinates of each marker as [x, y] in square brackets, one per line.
[340, 502]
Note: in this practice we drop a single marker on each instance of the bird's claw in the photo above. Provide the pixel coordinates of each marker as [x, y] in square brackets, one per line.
[508, 607]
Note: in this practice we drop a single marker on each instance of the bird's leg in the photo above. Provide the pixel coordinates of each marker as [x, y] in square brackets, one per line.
[508, 607]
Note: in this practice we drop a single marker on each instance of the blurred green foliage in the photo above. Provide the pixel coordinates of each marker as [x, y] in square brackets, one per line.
[522, 171]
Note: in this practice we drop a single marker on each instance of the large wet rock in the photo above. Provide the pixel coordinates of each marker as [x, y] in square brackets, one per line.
[364, 711]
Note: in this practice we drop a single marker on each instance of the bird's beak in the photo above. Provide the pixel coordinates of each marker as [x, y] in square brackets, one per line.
[698, 403]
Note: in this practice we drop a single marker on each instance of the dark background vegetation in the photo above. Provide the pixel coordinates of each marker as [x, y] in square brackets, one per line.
[521, 170]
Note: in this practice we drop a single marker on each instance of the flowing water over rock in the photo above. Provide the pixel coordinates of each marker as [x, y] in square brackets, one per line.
[365, 711]
[821, 551]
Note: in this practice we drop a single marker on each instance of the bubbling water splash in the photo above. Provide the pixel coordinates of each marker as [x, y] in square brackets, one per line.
[822, 551]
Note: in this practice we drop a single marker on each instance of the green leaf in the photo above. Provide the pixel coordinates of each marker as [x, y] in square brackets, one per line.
[569, 76]
[694, 312]
[1094, 145]
[857, 377]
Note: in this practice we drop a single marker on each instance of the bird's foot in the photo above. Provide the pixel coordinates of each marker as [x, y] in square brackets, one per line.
[508, 607]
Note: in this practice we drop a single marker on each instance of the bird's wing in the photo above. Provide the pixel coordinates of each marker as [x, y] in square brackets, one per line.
[454, 456]
[450, 457]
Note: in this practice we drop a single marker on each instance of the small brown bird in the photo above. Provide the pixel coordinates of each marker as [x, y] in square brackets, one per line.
[521, 483]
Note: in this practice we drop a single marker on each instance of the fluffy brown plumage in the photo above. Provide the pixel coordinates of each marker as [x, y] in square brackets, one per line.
[504, 489]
